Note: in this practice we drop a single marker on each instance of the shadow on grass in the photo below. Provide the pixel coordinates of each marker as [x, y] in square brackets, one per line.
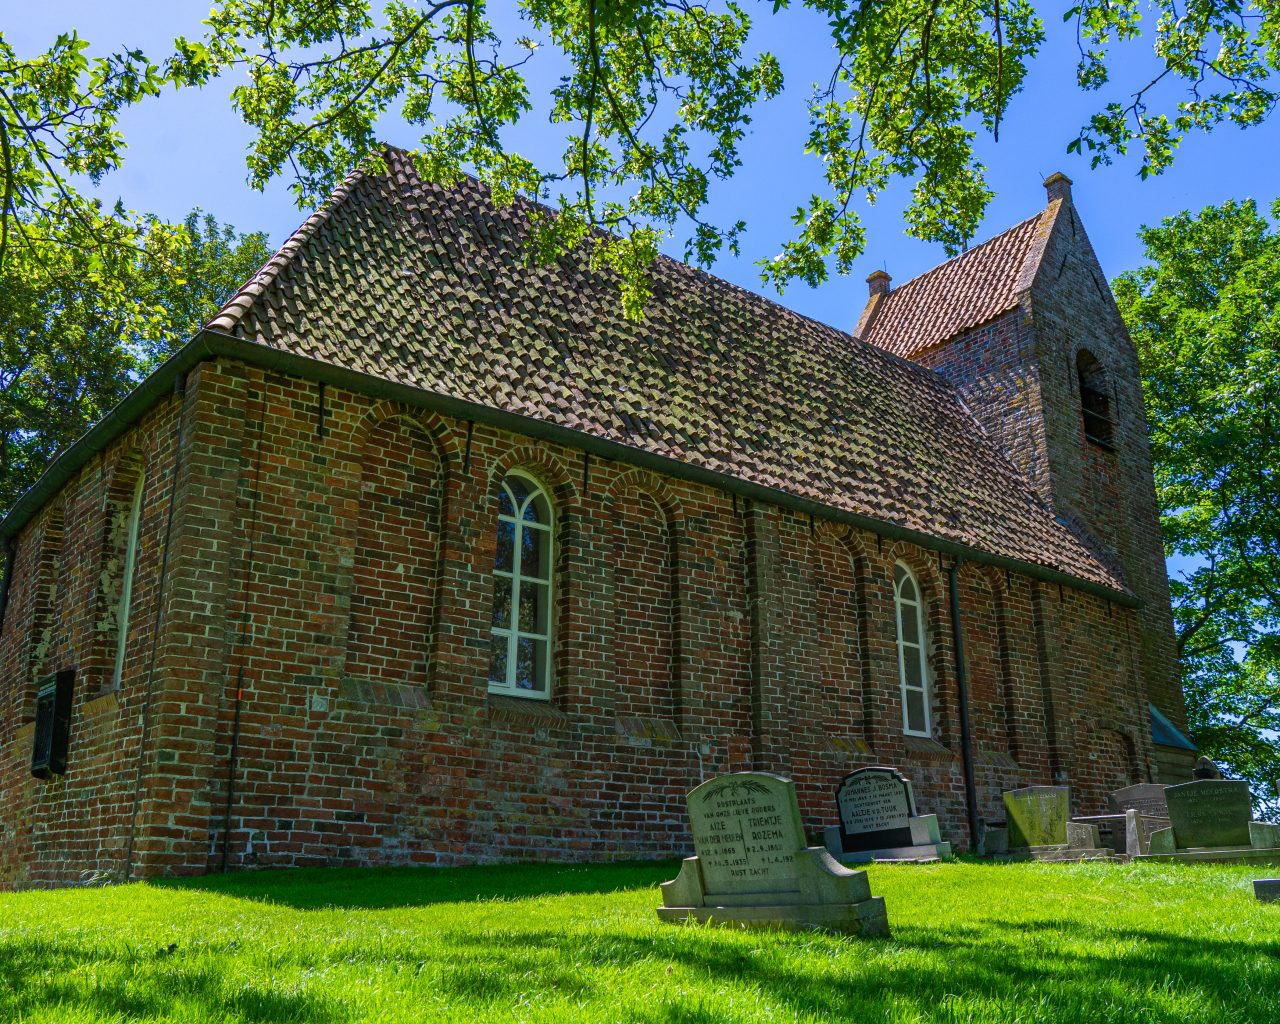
[388, 888]
[128, 985]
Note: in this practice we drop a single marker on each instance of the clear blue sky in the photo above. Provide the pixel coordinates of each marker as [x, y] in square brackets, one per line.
[187, 149]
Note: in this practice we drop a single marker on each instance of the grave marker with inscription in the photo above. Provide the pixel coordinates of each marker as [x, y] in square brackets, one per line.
[1039, 827]
[1209, 822]
[751, 867]
[878, 820]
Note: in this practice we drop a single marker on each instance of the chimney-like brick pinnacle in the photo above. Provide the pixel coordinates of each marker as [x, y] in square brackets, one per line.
[1058, 185]
[878, 282]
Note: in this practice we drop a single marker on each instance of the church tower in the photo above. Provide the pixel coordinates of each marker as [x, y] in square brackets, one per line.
[1026, 329]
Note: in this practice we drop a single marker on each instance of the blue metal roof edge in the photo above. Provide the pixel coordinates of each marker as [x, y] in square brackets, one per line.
[1165, 733]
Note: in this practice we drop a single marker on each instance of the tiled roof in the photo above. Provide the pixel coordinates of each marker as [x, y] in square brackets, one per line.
[428, 286]
[965, 292]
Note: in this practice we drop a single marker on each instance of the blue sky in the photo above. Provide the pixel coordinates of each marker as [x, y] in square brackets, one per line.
[187, 149]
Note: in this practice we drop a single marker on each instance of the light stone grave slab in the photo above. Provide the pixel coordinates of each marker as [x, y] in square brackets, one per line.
[751, 868]
[878, 821]
[1147, 797]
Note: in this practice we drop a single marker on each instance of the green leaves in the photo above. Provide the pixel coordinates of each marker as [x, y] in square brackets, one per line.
[1204, 315]
[652, 100]
[81, 325]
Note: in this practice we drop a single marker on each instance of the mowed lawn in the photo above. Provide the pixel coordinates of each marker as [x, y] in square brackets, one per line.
[971, 942]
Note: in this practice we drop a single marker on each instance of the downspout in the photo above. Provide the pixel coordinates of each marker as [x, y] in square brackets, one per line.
[962, 691]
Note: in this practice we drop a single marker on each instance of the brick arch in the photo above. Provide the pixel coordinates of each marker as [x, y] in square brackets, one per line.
[441, 433]
[839, 569]
[646, 524]
[393, 589]
[550, 473]
[44, 604]
[983, 613]
[130, 464]
[1107, 758]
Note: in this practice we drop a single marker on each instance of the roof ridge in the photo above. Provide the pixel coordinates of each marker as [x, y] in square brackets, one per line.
[969, 252]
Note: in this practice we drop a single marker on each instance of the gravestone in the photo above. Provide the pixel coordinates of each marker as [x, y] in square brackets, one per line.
[1206, 769]
[1146, 798]
[751, 868]
[1267, 890]
[878, 820]
[1037, 816]
[1139, 811]
[1038, 826]
[1209, 822]
[1210, 813]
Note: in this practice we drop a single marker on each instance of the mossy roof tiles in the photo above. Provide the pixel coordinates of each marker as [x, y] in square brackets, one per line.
[429, 286]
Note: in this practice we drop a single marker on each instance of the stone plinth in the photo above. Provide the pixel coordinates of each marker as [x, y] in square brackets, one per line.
[751, 867]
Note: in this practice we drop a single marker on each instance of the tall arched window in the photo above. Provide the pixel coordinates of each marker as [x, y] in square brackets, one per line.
[913, 665]
[520, 661]
[126, 580]
[1095, 400]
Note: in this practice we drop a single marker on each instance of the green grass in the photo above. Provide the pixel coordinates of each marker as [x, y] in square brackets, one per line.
[971, 942]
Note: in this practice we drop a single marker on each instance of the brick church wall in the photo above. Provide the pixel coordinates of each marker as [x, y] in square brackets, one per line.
[321, 665]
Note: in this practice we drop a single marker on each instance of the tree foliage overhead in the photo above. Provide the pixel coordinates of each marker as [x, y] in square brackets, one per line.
[1205, 315]
[80, 326]
[652, 99]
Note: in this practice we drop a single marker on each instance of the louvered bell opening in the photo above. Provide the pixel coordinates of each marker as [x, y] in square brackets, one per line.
[1098, 427]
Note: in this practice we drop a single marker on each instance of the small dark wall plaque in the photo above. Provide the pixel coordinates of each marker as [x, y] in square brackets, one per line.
[53, 725]
[875, 806]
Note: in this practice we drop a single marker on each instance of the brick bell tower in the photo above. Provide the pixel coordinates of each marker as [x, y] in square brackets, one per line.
[1050, 372]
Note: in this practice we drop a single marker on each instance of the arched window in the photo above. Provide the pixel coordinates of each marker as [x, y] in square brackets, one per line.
[520, 661]
[126, 580]
[1095, 401]
[913, 665]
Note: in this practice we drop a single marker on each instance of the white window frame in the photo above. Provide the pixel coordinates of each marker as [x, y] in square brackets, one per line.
[906, 649]
[513, 633]
[126, 583]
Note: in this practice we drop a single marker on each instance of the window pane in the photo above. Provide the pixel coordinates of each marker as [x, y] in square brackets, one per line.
[536, 511]
[506, 545]
[502, 602]
[505, 507]
[531, 664]
[910, 624]
[498, 660]
[533, 607]
[519, 489]
[911, 667]
[906, 586]
[534, 545]
[915, 711]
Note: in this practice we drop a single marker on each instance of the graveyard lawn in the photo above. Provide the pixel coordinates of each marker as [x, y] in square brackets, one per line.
[972, 942]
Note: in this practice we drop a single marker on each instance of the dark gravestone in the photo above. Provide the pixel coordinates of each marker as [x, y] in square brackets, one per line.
[875, 807]
[1147, 798]
[1037, 816]
[1210, 813]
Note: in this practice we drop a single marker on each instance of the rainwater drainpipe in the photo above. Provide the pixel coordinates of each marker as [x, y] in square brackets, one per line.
[962, 690]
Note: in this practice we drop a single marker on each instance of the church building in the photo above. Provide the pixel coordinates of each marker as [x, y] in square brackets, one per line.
[421, 553]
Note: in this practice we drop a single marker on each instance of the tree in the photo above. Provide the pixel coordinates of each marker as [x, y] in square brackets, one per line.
[1205, 315]
[653, 97]
[81, 325]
